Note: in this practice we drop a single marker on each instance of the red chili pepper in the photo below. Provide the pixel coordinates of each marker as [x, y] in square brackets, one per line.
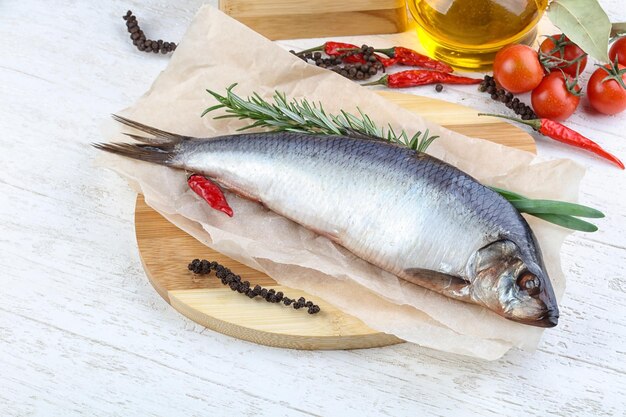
[406, 56]
[414, 78]
[564, 134]
[210, 192]
[388, 62]
[336, 49]
[339, 48]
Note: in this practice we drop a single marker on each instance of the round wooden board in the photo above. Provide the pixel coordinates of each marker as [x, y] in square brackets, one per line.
[165, 251]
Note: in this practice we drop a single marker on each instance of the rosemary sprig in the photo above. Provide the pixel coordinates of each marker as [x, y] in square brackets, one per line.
[305, 117]
[302, 116]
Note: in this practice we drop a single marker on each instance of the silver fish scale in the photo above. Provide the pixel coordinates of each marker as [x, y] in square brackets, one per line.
[387, 204]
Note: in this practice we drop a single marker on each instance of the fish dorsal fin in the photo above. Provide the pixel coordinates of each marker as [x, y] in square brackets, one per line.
[448, 285]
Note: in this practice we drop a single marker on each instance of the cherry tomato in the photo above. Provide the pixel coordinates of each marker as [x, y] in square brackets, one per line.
[558, 47]
[618, 50]
[552, 99]
[517, 68]
[608, 97]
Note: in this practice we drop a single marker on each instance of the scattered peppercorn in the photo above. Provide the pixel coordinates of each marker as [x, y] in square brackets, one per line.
[439, 88]
[203, 267]
[139, 38]
[355, 63]
[488, 85]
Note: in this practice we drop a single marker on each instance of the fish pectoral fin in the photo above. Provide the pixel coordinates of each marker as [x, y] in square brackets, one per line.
[448, 285]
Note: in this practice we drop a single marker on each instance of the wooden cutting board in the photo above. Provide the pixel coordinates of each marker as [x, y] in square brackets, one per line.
[166, 250]
[291, 19]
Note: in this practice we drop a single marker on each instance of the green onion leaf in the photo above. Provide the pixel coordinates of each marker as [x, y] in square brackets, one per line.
[556, 207]
[509, 195]
[568, 222]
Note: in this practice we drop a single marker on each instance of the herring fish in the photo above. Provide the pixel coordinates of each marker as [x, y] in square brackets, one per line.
[406, 212]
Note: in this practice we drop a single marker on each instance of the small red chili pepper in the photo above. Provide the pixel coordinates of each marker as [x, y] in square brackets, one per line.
[210, 192]
[409, 57]
[336, 49]
[339, 48]
[564, 134]
[414, 78]
[387, 62]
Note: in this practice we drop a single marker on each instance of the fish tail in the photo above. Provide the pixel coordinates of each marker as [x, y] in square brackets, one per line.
[156, 154]
[160, 149]
[160, 137]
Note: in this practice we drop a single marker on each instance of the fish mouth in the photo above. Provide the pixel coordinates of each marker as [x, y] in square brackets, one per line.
[548, 320]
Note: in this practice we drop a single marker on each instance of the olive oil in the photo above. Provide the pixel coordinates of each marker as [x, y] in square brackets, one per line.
[467, 33]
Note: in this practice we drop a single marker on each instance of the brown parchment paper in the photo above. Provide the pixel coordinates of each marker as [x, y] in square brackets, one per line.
[218, 51]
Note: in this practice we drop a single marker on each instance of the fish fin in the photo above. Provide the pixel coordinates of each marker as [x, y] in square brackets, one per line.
[144, 139]
[157, 154]
[160, 136]
[448, 285]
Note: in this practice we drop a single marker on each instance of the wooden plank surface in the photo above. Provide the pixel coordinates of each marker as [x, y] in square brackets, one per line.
[166, 250]
[267, 8]
[83, 333]
[287, 19]
[464, 119]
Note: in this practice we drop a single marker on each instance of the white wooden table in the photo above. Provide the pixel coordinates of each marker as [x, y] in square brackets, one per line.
[82, 332]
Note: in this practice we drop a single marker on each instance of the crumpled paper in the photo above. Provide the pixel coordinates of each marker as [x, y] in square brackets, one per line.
[218, 51]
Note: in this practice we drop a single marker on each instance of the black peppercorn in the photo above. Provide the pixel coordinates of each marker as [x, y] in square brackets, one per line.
[227, 277]
[489, 86]
[346, 68]
[313, 309]
[139, 38]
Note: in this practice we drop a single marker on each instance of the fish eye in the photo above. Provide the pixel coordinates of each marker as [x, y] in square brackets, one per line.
[529, 283]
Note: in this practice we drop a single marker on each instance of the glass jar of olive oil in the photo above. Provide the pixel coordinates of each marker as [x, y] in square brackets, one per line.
[467, 33]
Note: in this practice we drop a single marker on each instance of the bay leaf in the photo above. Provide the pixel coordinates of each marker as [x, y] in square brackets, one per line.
[585, 23]
[618, 28]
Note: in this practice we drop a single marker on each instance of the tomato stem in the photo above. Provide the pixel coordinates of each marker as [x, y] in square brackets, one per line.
[555, 58]
[614, 73]
[573, 83]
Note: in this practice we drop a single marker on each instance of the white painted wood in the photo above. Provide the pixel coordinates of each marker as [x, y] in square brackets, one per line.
[82, 332]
